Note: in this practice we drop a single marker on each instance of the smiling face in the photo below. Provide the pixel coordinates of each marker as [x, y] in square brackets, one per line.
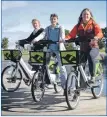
[54, 21]
[86, 16]
[36, 24]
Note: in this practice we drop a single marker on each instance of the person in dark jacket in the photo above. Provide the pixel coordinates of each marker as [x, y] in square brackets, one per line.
[36, 35]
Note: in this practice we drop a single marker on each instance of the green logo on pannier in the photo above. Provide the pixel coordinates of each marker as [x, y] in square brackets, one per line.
[37, 57]
[68, 57]
[7, 55]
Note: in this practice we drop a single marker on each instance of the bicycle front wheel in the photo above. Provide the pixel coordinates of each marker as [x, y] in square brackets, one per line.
[10, 78]
[37, 87]
[57, 84]
[72, 97]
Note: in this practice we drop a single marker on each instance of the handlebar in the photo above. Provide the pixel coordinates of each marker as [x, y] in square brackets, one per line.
[46, 42]
[78, 39]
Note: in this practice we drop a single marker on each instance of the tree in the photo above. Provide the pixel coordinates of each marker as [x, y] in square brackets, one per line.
[102, 42]
[104, 30]
[66, 32]
[4, 43]
[69, 45]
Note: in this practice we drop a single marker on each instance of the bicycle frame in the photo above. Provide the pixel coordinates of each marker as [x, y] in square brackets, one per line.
[28, 73]
[21, 64]
[45, 66]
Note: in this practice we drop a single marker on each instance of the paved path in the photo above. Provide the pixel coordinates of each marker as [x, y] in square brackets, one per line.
[21, 103]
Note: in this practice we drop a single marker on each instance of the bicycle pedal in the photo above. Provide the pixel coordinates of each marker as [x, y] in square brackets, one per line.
[96, 86]
[77, 93]
[9, 81]
[27, 82]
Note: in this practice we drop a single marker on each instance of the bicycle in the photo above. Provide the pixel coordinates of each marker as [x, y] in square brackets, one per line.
[73, 83]
[40, 58]
[11, 76]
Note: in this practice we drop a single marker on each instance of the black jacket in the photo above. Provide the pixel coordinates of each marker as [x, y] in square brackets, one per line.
[31, 37]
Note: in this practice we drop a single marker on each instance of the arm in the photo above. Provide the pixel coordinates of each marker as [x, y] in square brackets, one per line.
[39, 37]
[72, 33]
[46, 33]
[29, 38]
[62, 33]
[98, 32]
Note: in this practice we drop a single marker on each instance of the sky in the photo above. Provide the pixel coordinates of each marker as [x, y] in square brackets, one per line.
[17, 15]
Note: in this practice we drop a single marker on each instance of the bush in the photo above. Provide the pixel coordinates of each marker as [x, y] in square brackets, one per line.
[101, 44]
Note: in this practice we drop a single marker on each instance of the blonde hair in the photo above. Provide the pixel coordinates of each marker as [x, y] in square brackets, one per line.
[34, 20]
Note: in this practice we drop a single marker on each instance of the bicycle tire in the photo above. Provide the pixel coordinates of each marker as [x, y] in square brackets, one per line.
[69, 91]
[34, 87]
[94, 89]
[2, 78]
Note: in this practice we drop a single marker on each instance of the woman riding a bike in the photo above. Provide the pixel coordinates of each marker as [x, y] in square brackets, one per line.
[87, 28]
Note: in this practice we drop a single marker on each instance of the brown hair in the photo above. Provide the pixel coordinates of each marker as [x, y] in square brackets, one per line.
[54, 15]
[80, 17]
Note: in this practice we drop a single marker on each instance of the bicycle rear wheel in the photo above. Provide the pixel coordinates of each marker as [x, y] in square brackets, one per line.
[72, 97]
[38, 87]
[99, 82]
[10, 82]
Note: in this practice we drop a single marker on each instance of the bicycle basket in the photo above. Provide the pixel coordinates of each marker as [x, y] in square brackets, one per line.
[36, 57]
[13, 55]
[69, 57]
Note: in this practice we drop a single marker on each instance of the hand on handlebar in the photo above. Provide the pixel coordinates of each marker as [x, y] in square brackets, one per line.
[34, 41]
[93, 42]
[61, 41]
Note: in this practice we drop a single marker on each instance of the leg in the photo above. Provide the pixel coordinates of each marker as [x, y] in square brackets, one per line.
[94, 52]
[63, 72]
[83, 57]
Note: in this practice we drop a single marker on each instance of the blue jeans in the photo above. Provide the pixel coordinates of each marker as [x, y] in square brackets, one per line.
[91, 56]
[63, 72]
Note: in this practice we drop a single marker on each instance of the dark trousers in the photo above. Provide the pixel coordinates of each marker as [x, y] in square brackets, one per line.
[91, 56]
